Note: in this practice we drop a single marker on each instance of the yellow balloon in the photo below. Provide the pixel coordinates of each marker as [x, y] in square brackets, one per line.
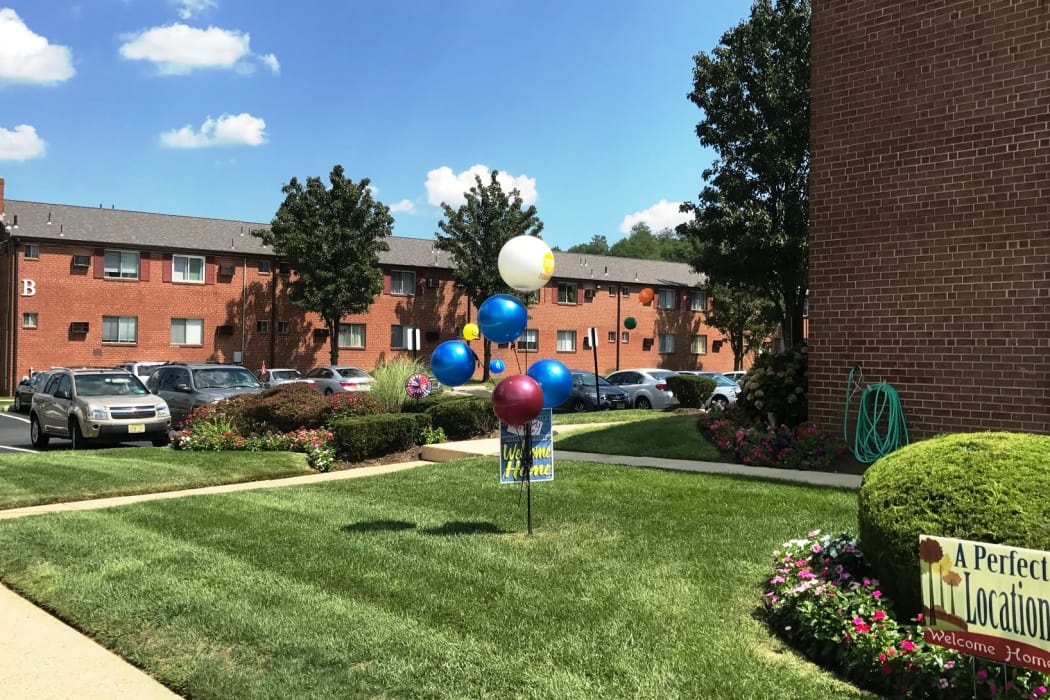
[471, 331]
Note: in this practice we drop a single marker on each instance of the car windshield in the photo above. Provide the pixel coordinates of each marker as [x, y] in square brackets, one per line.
[286, 374]
[662, 374]
[224, 378]
[721, 380]
[352, 373]
[588, 380]
[108, 385]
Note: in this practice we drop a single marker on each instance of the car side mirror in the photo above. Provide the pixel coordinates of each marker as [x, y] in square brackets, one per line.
[184, 388]
[61, 394]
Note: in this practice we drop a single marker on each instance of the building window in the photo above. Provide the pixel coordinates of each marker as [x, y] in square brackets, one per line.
[612, 291]
[284, 327]
[665, 299]
[566, 292]
[531, 298]
[666, 343]
[120, 329]
[612, 336]
[625, 337]
[399, 337]
[530, 341]
[403, 283]
[352, 335]
[121, 264]
[187, 268]
[31, 251]
[187, 331]
[625, 291]
[262, 326]
[566, 341]
[30, 319]
[698, 300]
[264, 267]
[698, 345]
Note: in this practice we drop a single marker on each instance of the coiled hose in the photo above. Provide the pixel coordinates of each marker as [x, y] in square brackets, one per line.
[879, 406]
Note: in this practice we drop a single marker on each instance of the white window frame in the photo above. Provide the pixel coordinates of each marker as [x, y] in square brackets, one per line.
[284, 327]
[191, 331]
[612, 336]
[31, 251]
[183, 277]
[402, 282]
[566, 341]
[625, 337]
[262, 325]
[665, 343]
[263, 267]
[665, 299]
[124, 323]
[529, 341]
[30, 319]
[698, 345]
[698, 300]
[118, 272]
[567, 292]
[347, 332]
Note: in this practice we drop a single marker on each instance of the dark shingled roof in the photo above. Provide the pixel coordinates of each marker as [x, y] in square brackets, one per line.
[118, 227]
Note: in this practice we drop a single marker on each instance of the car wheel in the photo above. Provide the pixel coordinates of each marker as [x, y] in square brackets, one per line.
[75, 435]
[18, 404]
[643, 402]
[579, 405]
[720, 401]
[327, 392]
[37, 436]
[161, 440]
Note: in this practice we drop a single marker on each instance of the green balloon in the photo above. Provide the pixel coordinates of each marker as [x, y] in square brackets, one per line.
[629, 323]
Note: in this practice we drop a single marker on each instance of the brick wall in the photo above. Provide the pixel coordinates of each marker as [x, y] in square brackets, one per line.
[929, 203]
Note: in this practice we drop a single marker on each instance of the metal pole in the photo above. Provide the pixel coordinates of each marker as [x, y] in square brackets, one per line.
[526, 462]
[594, 349]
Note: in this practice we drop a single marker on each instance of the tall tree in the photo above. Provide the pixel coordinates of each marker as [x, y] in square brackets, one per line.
[598, 246]
[475, 233]
[742, 316]
[332, 237]
[751, 223]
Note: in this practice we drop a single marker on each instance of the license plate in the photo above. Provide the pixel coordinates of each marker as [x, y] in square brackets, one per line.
[137, 428]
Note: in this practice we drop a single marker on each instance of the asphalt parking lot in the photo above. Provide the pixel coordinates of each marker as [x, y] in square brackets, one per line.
[14, 435]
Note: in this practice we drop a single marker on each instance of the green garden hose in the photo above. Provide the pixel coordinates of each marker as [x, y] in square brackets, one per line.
[879, 406]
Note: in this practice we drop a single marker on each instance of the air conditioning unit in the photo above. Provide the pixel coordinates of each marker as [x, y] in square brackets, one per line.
[226, 270]
[224, 330]
[81, 261]
[433, 282]
[78, 327]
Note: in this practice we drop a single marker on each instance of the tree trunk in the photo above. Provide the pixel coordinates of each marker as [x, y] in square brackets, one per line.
[333, 338]
[487, 352]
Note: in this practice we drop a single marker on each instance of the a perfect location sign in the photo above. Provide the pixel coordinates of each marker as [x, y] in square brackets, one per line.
[512, 450]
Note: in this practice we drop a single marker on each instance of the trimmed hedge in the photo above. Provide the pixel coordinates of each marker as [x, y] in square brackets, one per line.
[462, 419]
[282, 409]
[363, 437]
[692, 390]
[986, 487]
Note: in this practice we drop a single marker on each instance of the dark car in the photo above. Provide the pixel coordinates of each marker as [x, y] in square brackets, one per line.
[25, 390]
[585, 397]
[187, 387]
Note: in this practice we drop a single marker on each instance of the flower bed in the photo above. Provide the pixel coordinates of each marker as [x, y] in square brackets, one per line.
[752, 442]
[823, 601]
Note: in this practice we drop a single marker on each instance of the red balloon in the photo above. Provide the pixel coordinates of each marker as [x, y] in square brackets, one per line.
[517, 399]
[645, 296]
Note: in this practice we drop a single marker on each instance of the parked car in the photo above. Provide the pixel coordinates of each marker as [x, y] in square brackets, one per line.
[333, 378]
[25, 390]
[646, 388]
[281, 375]
[726, 389]
[142, 370]
[585, 398]
[736, 375]
[92, 404]
[186, 387]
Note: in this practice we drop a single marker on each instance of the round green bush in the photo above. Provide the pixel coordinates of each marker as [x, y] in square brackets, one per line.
[777, 384]
[985, 487]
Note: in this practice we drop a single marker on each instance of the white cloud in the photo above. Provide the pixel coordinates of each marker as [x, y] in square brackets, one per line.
[188, 8]
[405, 205]
[21, 144]
[178, 49]
[228, 130]
[444, 186]
[26, 57]
[661, 215]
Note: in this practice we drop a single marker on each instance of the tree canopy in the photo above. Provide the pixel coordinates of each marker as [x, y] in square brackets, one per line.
[475, 233]
[744, 317]
[751, 223]
[641, 243]
[332, 237]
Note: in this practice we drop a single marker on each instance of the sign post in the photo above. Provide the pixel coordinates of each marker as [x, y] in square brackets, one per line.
[592, 338]
[527, 454]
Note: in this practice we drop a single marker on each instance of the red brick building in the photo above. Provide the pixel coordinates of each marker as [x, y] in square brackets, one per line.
[929, 210]
[80, 285]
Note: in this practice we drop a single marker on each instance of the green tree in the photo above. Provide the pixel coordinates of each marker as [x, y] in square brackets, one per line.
[751, 223]
[475, 233]
[743, 317]
[598, 246]
[642, 244]
[332, 237]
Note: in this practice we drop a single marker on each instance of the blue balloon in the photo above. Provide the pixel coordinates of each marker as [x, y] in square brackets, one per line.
[555, 380]
[502, 318]
[453, 362]
[497, 366]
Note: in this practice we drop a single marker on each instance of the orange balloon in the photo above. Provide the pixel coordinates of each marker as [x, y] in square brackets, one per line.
[645, 296]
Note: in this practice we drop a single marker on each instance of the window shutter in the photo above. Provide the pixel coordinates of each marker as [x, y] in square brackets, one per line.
[209, 270]
[165, 274]
[99, 264]
[386, 284]
[144, 267]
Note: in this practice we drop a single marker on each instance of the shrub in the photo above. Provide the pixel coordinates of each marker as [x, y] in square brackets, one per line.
[980, 486]
[363, 437]
[389, 385]
[462, 419]
[691, 390]
[776, 385]
[752, 442]
[287, 407]
[352, 403]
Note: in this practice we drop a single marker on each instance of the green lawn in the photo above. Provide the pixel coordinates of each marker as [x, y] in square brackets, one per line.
[51, 477]
[671, 436]
[422, 584]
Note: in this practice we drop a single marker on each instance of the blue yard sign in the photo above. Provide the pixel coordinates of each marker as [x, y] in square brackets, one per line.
[512, 450]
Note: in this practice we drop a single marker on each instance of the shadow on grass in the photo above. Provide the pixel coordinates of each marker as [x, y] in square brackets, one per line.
[379, 526]
[457, 527]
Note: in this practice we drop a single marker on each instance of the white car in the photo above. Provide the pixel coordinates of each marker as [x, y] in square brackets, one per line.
[334, 378]
[736, 375]
[726, 390]
[646, 387]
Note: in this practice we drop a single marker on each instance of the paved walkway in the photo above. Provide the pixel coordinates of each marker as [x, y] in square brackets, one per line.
[42, 657]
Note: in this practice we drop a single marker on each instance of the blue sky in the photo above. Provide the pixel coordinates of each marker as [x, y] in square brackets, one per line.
[207, 107]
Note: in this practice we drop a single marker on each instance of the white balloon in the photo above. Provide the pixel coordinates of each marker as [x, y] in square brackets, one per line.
[526, 263]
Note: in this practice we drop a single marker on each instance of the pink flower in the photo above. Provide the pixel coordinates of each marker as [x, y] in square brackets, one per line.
[949, 664]
[879, 615]
[876, 594]
[887, 669]
[907, 645]
[982, 674]
[943, 682]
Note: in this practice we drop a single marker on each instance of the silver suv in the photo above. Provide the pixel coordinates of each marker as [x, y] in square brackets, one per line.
[103, 404]
[186, 387]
